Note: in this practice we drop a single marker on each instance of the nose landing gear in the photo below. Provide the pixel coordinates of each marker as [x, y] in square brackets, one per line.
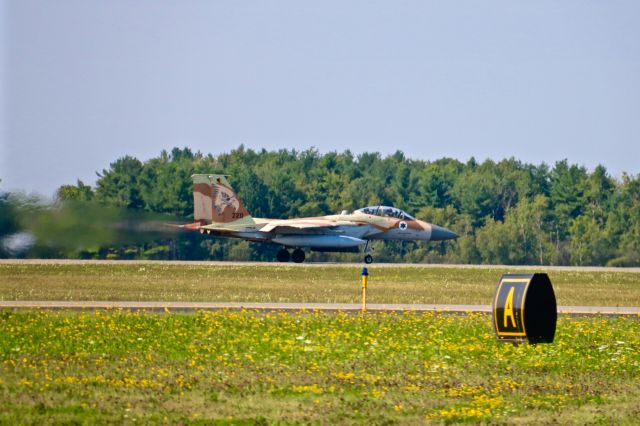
[368, 249]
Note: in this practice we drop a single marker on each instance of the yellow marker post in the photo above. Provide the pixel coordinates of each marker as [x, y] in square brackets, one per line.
[365, 275]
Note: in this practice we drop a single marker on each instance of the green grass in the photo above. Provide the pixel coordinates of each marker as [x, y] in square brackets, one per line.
[306, 368]
[286, 283]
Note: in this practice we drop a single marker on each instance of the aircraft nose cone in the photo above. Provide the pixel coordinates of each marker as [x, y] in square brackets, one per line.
[438, 233]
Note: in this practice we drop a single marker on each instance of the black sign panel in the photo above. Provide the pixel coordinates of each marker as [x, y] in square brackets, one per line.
[509, 307]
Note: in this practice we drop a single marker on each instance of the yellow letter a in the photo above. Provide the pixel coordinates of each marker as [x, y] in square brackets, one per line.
[508, 308]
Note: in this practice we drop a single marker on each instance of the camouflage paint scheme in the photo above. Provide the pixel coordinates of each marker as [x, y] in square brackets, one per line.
[219, 212]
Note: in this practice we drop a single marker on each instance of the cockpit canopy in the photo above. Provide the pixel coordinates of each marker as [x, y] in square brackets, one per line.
[386, 211]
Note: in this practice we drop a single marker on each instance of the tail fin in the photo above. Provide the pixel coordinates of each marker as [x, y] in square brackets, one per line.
[214, 201]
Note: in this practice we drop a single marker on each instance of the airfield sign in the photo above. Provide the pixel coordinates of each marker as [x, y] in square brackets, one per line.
[524, 308]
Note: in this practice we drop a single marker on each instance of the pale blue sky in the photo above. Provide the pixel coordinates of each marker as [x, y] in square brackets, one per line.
[86, 82]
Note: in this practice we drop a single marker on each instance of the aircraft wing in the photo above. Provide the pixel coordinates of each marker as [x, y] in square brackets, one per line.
[227, 227]
[313, 226]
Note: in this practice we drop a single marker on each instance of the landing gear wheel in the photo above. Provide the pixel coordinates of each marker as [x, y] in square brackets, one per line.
[283, 255]
[297, 256]
[368, 259]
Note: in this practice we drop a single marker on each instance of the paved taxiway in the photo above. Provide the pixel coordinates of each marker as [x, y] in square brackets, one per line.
[329, 307]
[315, 265]
[321, 307]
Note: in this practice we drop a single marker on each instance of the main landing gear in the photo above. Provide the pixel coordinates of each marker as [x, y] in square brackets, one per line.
[283, 255]
[368, 259]
[297, 256]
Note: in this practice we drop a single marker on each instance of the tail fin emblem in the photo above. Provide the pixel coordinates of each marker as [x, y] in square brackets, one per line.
[224, 198]
[215, 201]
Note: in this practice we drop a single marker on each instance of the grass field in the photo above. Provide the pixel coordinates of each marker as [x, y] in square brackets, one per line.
[288, 283]
[306, 368]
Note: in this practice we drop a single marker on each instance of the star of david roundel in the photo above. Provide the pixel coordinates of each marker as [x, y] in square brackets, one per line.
[403, 225]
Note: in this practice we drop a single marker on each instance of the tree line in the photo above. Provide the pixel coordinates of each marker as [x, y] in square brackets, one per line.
[506, 212]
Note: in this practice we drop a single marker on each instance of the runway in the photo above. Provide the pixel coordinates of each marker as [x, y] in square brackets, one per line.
[514, 268]
[294, 307]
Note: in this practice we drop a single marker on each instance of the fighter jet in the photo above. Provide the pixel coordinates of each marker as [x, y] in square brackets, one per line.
[219, 212]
